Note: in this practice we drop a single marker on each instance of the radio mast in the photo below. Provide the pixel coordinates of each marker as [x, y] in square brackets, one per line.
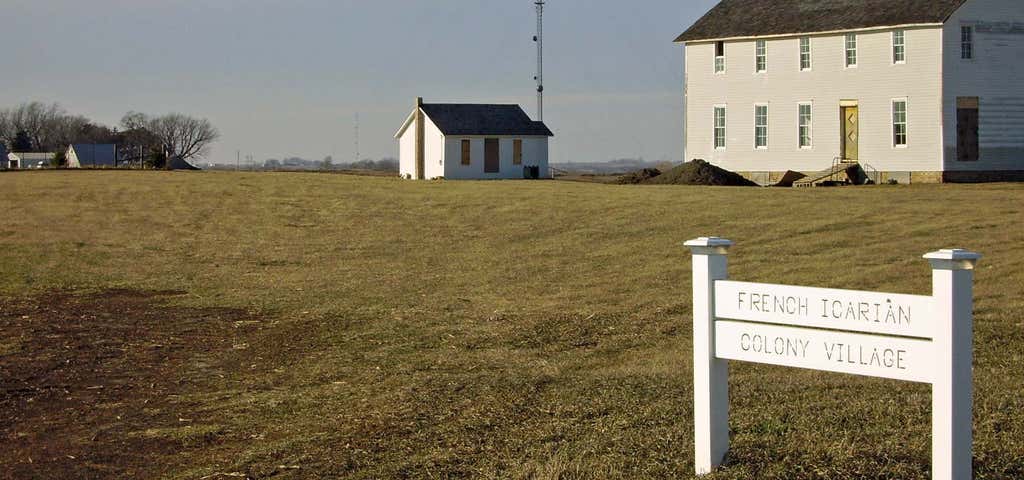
[540, 59]
[356, 160]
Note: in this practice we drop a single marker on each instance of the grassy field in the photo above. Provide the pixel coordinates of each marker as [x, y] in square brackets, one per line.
[223, 325]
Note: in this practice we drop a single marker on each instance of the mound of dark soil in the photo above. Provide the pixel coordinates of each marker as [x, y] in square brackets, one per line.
[639, 176]
[699, 172]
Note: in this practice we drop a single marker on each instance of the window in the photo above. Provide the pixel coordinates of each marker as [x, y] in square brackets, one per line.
[761, 54]
[719, 57]
[761, 126]
[967, 42]
[899, 47]
[805, 125]
[720, 127]
[466, 156]
[517, 152]
[899, 123]
[851, 50]
[805, 53]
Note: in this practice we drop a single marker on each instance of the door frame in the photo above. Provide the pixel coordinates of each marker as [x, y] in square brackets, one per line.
[843, 106]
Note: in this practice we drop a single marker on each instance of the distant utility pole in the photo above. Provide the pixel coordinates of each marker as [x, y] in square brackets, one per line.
[238, 158]
[540, 59]
[357, 137]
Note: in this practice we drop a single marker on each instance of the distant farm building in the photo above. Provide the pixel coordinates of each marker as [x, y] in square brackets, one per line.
[472, 141]
[88, 155]
[178, 163]
[909, 91]
[23, 160]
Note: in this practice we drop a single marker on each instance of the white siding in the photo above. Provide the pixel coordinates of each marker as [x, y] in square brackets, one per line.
[535, 153]
[407, 152]
[71, 157]
[874, 83]
[433, 150]
[994, 75]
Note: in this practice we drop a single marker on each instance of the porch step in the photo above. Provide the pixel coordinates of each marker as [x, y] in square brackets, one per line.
[838, 173]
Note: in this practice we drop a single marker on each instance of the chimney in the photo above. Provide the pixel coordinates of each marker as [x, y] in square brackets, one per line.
[420, 146]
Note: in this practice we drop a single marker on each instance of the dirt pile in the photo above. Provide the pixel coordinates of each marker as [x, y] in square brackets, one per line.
[640, 176]
[699, 172]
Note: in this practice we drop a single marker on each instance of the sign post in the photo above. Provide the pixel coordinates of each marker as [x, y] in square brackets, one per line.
[914, 338]
[952, 386]
[710, 374]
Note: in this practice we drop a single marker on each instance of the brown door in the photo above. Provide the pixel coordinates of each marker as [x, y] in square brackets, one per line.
[967, 129]
[851, 133]
[492, 157]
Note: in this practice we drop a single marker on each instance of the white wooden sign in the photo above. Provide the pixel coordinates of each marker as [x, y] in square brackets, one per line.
[914, 338]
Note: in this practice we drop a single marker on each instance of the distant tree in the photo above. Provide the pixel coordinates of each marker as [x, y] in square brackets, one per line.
[183, 137]
[60, 159]
[22, 142]
[327, 163]
[157, 159]
[136, 142]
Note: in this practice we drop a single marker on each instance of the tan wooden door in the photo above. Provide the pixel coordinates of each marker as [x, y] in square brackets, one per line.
[851, 133]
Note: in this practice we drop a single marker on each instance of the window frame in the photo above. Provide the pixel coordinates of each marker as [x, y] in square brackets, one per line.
[850, 37]
[725, 127]
[800, 47]
[760, 56]
[900, 47]
[905, 123]
[758, 127]
[720, 65]
[967, 41]
[467, 152]
[800, 126]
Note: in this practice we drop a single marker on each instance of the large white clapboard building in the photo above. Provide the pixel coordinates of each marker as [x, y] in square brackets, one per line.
[915, 90]
[472, 142]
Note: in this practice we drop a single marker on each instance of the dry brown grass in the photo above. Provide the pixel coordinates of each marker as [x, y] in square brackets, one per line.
[518, 330]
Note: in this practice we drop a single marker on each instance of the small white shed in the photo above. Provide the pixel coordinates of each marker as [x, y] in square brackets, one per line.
[472, 142]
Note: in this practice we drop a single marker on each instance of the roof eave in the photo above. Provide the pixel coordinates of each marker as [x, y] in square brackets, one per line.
[683, 40]
[405, 126]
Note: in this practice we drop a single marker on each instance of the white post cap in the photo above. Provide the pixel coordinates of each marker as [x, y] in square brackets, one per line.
[953, 259]
[709, 246]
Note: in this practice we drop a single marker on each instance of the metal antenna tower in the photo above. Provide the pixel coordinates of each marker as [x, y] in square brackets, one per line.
[357, 137]
[540, 59]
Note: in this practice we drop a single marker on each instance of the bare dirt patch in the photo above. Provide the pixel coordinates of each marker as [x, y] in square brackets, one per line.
[92, 385]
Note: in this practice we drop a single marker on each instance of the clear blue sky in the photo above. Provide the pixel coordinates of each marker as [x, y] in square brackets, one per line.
[286, 77]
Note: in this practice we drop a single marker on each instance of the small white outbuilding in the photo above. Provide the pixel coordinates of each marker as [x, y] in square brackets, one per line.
[472, 142]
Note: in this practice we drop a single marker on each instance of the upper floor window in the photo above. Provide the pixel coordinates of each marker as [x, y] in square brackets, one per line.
[719, 57]
[899, 123]
[720, 127]
[899, 47]
[966, 42]
[761, 54]
[851, 50]
[761, 126]
[805, 53]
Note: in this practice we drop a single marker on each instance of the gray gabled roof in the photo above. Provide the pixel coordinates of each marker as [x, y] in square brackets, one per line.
[483, 119]
[96, 154]
[754, 18]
